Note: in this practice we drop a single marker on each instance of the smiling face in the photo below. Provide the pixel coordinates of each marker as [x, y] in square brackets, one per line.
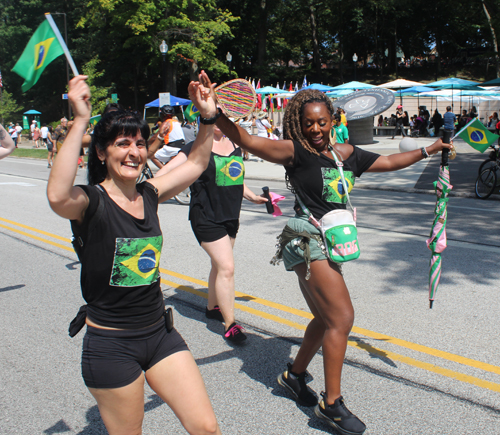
[125, 157]
[316, 123]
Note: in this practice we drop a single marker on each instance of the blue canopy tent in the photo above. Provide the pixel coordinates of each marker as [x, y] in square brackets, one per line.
[455, 84]
[270, 90]
[174, 101]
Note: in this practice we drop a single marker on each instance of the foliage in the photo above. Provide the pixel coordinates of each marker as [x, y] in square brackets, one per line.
[116, 42]
[99, 93]
[9, 108]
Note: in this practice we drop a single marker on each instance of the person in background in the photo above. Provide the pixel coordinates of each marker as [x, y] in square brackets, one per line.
[399, 122]
[36, 136]
[19, 130]
[437, 122]
[13, 133]
[51, 146]
[247, 124]
[380, 122]
[493, 120]
[449, 120]
[342, 134]
[406, 120]
[214, 212]
[44, 131]
[60, 134]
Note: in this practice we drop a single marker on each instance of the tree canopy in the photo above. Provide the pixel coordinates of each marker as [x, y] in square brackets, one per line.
[117, 43]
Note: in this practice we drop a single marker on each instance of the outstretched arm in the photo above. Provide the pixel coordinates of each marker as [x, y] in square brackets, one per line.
[66, 200]
[6, 143]
[181, 177]
[275, 151]
[250, 196]
[403, 160]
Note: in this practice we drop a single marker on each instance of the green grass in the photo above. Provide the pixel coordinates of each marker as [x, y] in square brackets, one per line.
[33, 153]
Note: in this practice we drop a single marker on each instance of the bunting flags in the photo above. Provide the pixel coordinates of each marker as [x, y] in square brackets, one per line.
[278, 99]
[304, 83]
[259, 97]
[296, 86]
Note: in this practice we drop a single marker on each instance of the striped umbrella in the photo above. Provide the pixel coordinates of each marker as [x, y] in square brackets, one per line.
[437, 241]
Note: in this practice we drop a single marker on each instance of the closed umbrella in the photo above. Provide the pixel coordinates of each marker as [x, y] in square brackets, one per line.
[437, 241]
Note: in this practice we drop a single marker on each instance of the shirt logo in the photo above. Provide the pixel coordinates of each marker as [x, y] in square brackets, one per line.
[41, 51]
[136, 261]
[333, 190]
[229, 171]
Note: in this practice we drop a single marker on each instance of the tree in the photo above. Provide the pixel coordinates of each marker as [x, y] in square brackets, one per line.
[99, 94]
[8, 107]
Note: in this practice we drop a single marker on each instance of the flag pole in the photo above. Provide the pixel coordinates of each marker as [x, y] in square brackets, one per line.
[463, 128]
[63, 44]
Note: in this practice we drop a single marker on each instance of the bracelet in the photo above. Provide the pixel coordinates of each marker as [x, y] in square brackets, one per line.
[210, 121]
[425, 154]
[159, 137]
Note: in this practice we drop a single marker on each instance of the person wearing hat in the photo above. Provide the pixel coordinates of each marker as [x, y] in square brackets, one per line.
[169, 139]
[399, 122]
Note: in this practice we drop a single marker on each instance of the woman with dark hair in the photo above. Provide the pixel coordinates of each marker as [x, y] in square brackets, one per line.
[307, 153]
[130, 337]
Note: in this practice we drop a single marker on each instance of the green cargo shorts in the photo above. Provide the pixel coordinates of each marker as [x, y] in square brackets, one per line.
[292, 254]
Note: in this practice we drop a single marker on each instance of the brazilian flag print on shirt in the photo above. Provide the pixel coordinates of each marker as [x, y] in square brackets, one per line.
[333, 190]
[229, 171]
[136, 261]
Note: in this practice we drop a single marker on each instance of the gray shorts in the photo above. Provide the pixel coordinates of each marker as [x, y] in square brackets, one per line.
[292, 254]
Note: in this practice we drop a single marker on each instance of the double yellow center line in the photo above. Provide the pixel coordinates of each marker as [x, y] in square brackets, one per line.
[360, 344]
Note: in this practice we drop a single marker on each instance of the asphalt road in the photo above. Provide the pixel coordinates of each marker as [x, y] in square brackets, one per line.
[408, 369]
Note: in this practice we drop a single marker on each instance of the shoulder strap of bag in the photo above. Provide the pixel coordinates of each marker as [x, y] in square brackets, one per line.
[340, 166]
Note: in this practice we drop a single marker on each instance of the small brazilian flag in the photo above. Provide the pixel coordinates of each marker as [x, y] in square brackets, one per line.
[229, 170]
[42, 48]
[136, 261]
[191, 113]
[477, 136]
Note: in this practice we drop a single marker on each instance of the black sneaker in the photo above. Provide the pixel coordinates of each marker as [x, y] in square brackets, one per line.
[214, 314]
[339, 417]
[296, 385]
[235, 333]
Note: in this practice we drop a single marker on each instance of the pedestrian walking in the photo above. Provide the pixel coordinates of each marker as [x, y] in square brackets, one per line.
[214, 213]
[399, 122]
[130, 337]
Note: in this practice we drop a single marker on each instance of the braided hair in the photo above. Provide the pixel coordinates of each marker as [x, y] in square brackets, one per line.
[292, 121]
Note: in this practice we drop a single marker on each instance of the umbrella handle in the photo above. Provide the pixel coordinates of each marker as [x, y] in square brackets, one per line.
[444, 157]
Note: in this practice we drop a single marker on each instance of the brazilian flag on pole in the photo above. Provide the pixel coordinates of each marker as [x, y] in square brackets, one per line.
[42, 49]
[191, 113]
[477, 135]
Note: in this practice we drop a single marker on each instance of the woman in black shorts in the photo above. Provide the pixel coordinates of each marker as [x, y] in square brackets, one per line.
[311, 171]
[214, 213]
[118, 239]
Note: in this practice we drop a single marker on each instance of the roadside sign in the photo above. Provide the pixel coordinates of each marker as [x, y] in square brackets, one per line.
[164, 99]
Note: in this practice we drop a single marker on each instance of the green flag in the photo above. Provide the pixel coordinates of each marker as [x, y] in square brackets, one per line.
[191, 113]
[477, 136]
[42, 49]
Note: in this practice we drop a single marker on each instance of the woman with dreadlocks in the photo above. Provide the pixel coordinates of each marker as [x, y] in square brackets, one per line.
[307, 153]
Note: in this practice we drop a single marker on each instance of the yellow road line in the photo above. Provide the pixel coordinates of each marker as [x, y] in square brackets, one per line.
[382, 353]
[45, 233]
[37, 238]
[364, 346]
[402, 343]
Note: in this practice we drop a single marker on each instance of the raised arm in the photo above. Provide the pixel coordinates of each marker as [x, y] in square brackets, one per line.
[185, 174]
[275, 151]
[403, 160]
[6, 143]
[66, 200]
